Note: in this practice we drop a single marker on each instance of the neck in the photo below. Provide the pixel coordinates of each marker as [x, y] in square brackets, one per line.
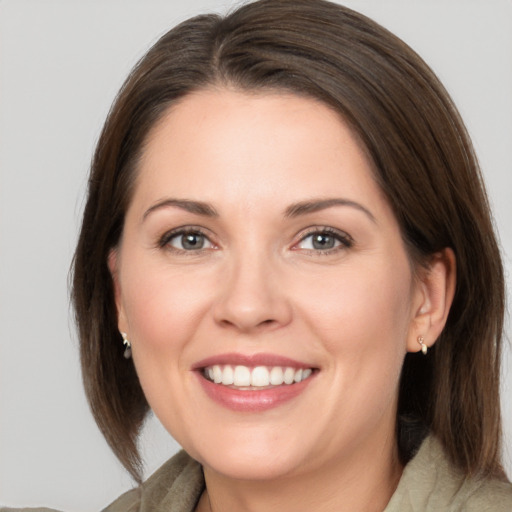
[357, 482]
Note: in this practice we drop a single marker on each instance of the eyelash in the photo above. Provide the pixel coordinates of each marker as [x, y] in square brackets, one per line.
[166, 238]
[344, 239]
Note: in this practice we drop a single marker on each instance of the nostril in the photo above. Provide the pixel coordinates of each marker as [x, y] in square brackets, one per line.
[249, 311]
[266, 323]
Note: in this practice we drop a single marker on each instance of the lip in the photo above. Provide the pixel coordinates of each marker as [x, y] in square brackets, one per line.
[262, 359]
[252, 400]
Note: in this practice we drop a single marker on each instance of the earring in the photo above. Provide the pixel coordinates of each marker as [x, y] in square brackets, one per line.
[128, 346]
[424, 347]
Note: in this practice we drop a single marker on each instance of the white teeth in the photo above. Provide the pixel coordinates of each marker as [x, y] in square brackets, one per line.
[260, 377]
[228, 376]
[217, 374]
[276, 376]
[289, 375]
[242, 376]
[257, 377]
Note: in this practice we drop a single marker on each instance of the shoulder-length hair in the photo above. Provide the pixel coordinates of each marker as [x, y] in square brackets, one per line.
[424, 162]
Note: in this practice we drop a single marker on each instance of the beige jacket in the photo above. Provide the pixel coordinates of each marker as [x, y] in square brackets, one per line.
[429, 484]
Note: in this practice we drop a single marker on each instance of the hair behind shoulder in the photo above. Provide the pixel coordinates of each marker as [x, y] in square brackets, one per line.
[424, 163]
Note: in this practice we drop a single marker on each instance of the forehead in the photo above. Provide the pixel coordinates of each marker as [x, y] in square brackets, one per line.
[228, 145]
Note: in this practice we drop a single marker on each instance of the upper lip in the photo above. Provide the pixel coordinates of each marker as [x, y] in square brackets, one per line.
[252, 360]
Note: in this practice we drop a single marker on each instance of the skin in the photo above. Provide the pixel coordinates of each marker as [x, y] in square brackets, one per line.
[258, 285]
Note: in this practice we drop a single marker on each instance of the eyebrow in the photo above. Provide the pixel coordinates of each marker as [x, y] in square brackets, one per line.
[305, 207]
[294, 210]
[197, 207]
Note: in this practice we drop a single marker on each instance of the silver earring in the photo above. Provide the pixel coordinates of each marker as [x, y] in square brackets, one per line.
[424, 347]
[128, 346]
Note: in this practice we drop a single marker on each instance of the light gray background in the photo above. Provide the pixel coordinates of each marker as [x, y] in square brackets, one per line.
[61, 63]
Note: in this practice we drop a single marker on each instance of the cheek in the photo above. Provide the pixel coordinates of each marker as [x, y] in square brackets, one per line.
[163, 306]
[365, 299]
[363, 324]
[362, 315]
[164, 309]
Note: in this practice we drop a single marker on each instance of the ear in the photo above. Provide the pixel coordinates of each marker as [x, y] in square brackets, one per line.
[113, 266]
[434, 293]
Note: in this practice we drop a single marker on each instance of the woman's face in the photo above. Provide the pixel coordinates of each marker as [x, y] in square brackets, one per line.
[264, 286]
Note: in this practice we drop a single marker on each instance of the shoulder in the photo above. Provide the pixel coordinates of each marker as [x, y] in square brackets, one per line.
[174, 487]
[431, 483]
[489, 495]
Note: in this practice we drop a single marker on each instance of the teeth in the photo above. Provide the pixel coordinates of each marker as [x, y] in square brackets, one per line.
[242, 376]
[217, 374]
[276, 376]
[228, 376]
[260, 376]
[257, 377]
[289, 375]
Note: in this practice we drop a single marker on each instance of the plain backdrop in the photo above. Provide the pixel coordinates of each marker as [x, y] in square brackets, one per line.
[61, 63]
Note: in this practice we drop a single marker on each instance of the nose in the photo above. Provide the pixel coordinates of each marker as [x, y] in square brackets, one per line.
[253, 297]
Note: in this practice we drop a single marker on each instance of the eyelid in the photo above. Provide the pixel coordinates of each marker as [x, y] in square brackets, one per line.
[346, 241]
[163, 240]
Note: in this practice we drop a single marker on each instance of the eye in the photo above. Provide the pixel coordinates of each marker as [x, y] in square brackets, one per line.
[186, 240]
[324, 240]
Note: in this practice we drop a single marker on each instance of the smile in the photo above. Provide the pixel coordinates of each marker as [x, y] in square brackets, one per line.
[254, 383]
[254, 378]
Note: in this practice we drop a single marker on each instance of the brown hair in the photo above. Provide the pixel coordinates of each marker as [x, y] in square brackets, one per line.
[424, 163]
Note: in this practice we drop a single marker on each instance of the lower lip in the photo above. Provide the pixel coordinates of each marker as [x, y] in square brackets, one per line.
[252, 400]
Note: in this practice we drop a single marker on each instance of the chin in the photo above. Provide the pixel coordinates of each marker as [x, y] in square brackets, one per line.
[257, 467]
[256, 459]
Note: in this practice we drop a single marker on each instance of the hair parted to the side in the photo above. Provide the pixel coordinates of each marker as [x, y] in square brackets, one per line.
[424, 162]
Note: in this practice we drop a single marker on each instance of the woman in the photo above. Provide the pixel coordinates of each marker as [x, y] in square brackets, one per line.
[287, 237]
